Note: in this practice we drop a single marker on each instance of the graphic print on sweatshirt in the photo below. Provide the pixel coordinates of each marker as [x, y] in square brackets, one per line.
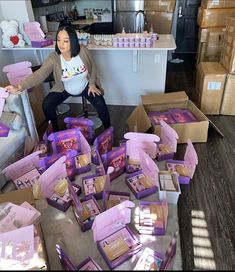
[74, 75]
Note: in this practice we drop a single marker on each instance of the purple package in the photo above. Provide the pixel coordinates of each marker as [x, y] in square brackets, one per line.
[116, 159]
[86, 265]
[85, 210]
[168, 145]
[183, 116]
[153, 217]
[42, 43]
[85, 125]
[156, 116]
[104, 142]
[46, 162]
[136, 141]
[4, 130]
[110, 232]
[145, 182]
[65, 140]
[94, 155]
[185, 168]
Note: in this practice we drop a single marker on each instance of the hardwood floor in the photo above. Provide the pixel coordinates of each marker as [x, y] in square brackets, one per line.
[206, 207]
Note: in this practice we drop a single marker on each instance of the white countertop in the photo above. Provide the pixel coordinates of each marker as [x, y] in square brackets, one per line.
[165, 42]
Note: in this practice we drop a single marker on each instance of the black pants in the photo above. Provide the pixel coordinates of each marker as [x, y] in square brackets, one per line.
[53, 99]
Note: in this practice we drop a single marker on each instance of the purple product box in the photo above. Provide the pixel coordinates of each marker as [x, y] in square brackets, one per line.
[156, 116]
[116, 159]
[85, 210]
[67, 264]
[166, 149]
[71, 170]
[113, 198]
[42, 43]
[147, 214]
[182, 116]
[62, 203]
[185, 168]
[144, 182]
[27, 180]
[4, 130]
[115, 241]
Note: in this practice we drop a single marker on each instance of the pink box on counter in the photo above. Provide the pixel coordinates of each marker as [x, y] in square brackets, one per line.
[167, 147]
[23, 172]
[115, 241]
[153, 217]
[85, 210]
[186, 167]
[50, 178]
[153, 260]
[144, 182]
[67, 264]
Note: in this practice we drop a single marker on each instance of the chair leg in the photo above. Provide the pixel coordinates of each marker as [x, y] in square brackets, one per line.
[85, 107]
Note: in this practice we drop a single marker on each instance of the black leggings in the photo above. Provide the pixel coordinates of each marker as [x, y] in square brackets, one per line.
[53, 99]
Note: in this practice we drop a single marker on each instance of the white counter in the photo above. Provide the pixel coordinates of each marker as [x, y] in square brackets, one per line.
[126, 73]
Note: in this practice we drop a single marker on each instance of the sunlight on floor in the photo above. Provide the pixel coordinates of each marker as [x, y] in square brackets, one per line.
[203, 254]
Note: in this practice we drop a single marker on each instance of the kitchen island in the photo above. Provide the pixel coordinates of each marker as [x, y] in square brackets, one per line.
[125, 73]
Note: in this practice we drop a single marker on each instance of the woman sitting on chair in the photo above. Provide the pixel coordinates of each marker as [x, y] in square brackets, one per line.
[74, 73]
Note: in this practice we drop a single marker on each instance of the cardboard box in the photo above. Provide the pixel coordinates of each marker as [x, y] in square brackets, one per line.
[212, 35]
[160, 5]
[213, 17]
[212, 4]
[139, 120]
[18, 197]
[228, 57]
[36, 97]
[210, 81]
[227, 106]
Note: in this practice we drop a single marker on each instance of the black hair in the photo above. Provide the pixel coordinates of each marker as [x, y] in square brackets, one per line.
[73, 38]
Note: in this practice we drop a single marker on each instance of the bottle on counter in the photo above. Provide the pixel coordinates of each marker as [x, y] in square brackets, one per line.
[75, 13]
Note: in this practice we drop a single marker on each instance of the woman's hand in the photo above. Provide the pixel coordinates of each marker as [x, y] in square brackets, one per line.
[93, 90]
[13, 89]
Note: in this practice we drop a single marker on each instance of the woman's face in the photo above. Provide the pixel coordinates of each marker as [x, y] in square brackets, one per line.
[63, 42]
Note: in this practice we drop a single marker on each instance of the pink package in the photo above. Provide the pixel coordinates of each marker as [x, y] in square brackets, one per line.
[154, 260]
[104, 142]
[144, 182]
[168, 145]
[22, 166]
[156, 116]
[17, 247]
[46, 162]
[87, 265]
[66, 140]
[110, 227]
[85, 210]
[85, 125]
[183, 116]
[185, 168]
[116, 159]
[49, 179]
[4, 129]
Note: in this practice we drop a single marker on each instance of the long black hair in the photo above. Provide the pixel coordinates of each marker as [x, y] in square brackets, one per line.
[73, 38]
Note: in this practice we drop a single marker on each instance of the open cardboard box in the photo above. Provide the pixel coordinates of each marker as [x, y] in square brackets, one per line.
[196, 131]
[18, 197]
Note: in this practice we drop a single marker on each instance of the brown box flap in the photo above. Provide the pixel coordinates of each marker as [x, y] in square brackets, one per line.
[163, 98]
[138, 120]
[18, 196]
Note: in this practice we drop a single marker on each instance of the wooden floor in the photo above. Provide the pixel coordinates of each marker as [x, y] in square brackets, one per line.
[206, 207]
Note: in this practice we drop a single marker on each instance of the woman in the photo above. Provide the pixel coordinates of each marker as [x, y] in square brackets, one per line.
[74, 73]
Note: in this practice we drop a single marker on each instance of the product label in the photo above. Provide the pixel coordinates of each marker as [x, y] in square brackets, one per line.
[215, 86]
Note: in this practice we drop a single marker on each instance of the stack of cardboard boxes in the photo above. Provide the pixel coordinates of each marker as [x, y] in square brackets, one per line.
[214, 92]
[212, 21]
